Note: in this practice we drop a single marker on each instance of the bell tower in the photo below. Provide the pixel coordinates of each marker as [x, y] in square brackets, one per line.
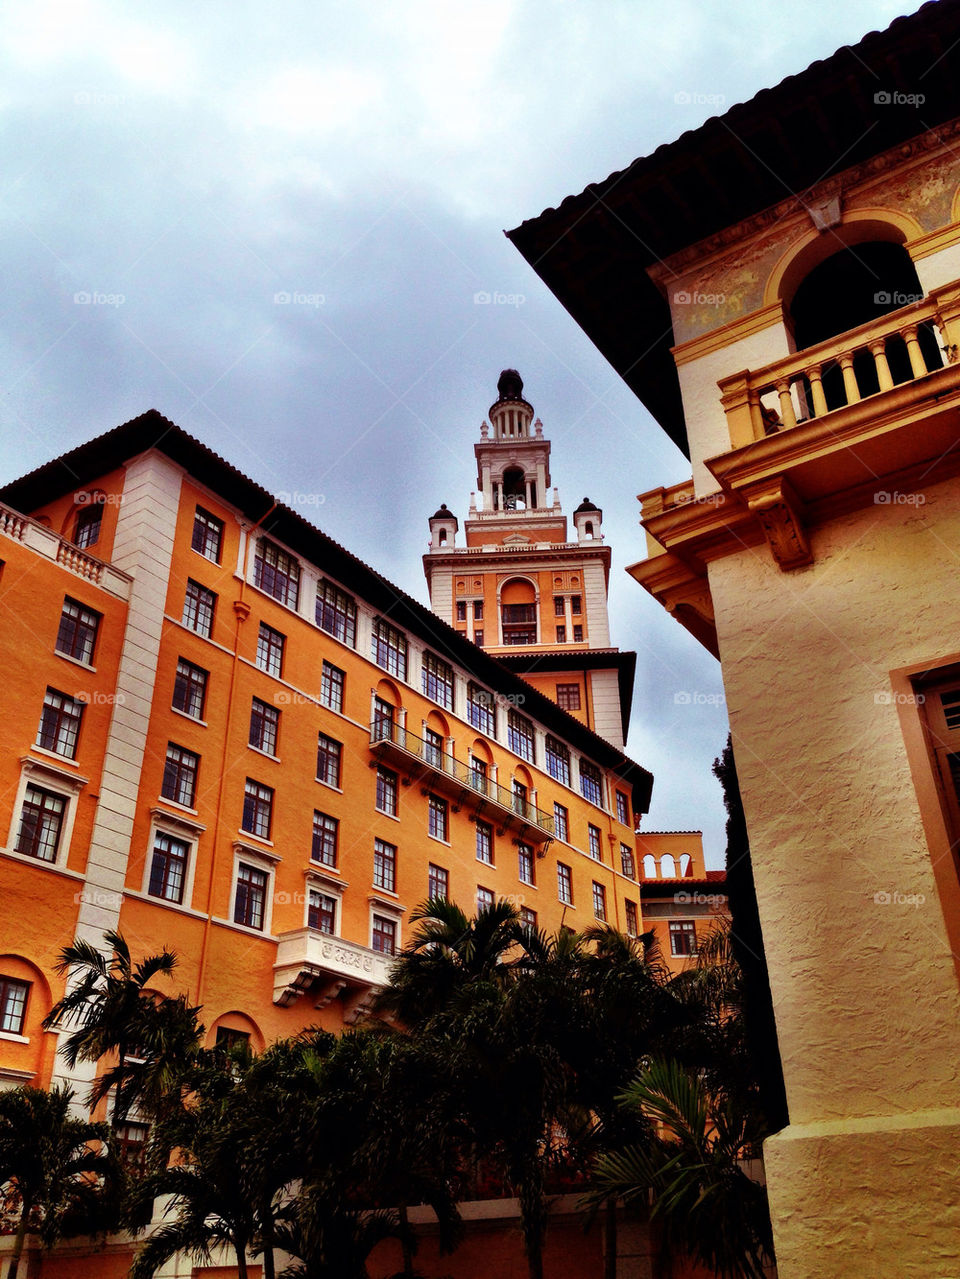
[518, 587]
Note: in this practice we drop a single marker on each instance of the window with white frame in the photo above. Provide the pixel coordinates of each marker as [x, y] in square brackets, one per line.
[630, 910]
[593, 840]
[60, 723]
[683, 937]
[383, 934]
[558, 760]
[336, 613]
[623, 808]
[14, 995]
[77, 632]
[528, 919]
[561, 822]
[525, 863]
[389, 648]
[270, 644]
[264, 726]
[180, 775]
[384, 865]
[438, 818]
[591, 783]
[627, 866]
[481, 710]
[331, 687]
[433, 747]
[520, 735]
[199, 604]
[485, 898]
[276, 572]
[41, 823]
[599, 901]
[478, 774]
[438, 680]
[438, 882]
[169, 864]
[86, 529]
[321, 911]
[386, 791]
[257, 808]
[207, 538]
[190, 689]
[250, 898]
[564, 884]
[485, 843]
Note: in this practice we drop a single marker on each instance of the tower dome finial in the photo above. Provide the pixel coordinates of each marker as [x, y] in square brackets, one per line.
[510, 385]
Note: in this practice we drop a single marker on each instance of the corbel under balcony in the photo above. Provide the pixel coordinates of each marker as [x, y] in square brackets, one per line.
[326, 968]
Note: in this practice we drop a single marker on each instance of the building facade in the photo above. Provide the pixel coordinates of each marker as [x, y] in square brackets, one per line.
[810, 370]
[517, 587]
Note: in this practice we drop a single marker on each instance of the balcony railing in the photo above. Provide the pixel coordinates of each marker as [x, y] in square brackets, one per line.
[900, 347]
[454, 776]
[44, 541]
[328, 968]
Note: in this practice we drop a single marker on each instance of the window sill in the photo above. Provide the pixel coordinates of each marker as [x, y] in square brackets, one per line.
[151, 900]
[249, 834]
[180, 808]
[26, 860]
[383, 813]
[261, 933]
[64, 759]
[75, 661]
[329, 785]
[192, 718]
[10, 1037]
[437, 840]
[266, 754]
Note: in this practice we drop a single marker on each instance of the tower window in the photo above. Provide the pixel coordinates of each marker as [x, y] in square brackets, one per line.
[568, 697]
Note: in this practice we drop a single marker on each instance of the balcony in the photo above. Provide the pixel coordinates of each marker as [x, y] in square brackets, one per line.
[328, 968]
[420, 761]
[43, 541]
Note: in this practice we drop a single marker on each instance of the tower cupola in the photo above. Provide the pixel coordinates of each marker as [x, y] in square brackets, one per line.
[587, 519]
[510, 414]
[443, 529]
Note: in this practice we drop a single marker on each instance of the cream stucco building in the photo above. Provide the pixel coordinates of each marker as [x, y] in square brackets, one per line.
[800, 257]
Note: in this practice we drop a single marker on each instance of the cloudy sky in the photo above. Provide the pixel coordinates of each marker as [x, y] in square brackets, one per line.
[173, 171]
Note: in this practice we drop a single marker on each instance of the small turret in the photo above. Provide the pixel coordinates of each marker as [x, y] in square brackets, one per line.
[443, 529]
[587, 519]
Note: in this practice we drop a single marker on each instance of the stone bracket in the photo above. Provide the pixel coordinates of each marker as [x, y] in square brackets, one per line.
[777, 510]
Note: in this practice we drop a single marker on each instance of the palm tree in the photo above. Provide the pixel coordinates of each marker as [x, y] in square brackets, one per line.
[115, 1013]
[53, 1162]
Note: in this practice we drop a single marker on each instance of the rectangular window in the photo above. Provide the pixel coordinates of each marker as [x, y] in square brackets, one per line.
[322, 912]
[180, 775]
[386, 791]
[568, 697]
[438, 882]
[485, 898]
[276, 573]
[198, 608]
[520, 735]
[578, 634]
[558, 606]
[77, 635]
[481, 710]
[623, 808]
[433, 747]
[13, 1004]
[389, 648]
[593, 839]
[438, 680]
[336, 613]
[257, 808]
[683, 937]
[561, 822]
[478, 775]
[626, 861]
[324, 846]
[264, 726]
[270, 650]
[331, 687]
[382, 720]
[329, 755]
[633, 925]
[558, 760]
[86, 530]
[525, 863]
[478, 638]
[561, 635]
[485, 843]
[249, 906]
[575, 605]
[168, 869]
[478, 610]
[461, 610]
[591, 783]
[599, 901]
[207, 535]
[564, 884]
[528, 918]
[41, 822]
[190, 689]
[60, 723]
[384, 865]
[384, 935]
[437, 817]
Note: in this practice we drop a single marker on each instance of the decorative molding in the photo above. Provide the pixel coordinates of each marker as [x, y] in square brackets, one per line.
[778, 512]
[925, 245]
[754, 322]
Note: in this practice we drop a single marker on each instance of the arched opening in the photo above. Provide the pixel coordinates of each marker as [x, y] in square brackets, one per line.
[521, 787]
[588, 529]
[668, 867]
[851, 287]
[234, 1028]
[442, 537]
[518, 611]
[685, 867]
[386, 710]
[649, 866]
[514, 490]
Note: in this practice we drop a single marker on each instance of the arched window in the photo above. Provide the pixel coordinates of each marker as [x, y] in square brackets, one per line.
[668, 867]
[853, 286]
[649, 866]
[514, 490]
[684, 865]
[518, 612]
